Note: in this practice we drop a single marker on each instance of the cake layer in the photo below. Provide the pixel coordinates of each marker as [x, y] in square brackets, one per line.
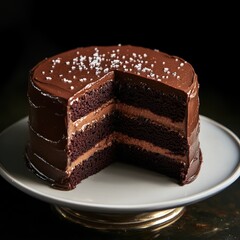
[84, 140]
[95, 163]
[66, 181]
[92, 100]
[129, 154]
[159, 135]
[161, 100]
[131, 90]
[178, 170]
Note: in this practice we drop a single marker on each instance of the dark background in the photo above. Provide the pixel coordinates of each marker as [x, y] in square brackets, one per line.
[206, 36]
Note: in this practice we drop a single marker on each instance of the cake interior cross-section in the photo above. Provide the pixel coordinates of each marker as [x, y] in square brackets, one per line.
[92, 106]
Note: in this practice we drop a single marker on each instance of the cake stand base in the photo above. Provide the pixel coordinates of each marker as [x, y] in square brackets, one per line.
[122, 222]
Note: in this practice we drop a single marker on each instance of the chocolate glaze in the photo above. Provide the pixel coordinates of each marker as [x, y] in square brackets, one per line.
[57, 84]
[71, 71]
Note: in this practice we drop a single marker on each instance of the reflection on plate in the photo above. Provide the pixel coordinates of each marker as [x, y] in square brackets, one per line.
[121, 188]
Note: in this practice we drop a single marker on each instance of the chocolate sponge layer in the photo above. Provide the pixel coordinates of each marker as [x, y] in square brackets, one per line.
[151, 161]
[133, 91]
[92, 100]
[98, 161]
[131, 155]
[143, 129]
[84, 140]
[127, 89]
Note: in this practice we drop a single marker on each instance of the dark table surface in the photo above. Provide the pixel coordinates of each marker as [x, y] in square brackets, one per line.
[31, 31]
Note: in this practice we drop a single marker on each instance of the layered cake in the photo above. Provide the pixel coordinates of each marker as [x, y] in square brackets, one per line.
[92, 106]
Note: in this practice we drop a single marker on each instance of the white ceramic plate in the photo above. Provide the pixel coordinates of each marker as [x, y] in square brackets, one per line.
[123, 188]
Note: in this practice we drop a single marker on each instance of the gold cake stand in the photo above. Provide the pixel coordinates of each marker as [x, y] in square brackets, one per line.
[122, 222]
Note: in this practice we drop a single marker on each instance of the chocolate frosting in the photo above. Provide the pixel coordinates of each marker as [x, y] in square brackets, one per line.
[65, 74]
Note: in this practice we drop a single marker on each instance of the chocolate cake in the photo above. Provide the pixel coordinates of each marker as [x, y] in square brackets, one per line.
[92, 106]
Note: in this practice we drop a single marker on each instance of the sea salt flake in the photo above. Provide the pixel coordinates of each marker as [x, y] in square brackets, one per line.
[152, 75]
[146, 69]
[83, 79]
[106, 70]
[66, 80]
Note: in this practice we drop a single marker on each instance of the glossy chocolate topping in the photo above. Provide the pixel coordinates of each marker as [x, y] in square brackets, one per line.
[71, 71]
